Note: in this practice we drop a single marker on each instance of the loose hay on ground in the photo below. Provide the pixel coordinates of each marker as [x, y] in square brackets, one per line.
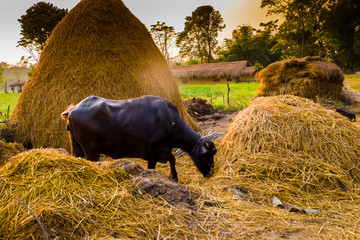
[294, 141]
[294, 149]
[8, 150]
[73, 198]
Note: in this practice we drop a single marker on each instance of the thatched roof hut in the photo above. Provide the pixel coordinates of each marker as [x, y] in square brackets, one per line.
[236, 70]
[310, 77]
[99, 48]
[17, 84]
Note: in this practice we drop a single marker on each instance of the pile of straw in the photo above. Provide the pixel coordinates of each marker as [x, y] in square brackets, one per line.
[72, 198]
[7, 150]
[309, 77]
[290, 146]
[99, 48]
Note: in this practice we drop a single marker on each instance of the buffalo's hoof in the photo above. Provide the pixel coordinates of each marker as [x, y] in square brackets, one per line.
[174, 178]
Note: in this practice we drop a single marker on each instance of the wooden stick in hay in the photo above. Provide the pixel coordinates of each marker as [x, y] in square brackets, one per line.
[32, 213]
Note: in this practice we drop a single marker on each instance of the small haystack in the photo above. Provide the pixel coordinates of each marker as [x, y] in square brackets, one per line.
[71, 198]
[309, 77]
[99, 48]
[290, 147]
[7, 150]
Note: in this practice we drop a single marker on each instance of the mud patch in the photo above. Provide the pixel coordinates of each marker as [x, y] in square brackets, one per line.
[154, 183]
[198, 107]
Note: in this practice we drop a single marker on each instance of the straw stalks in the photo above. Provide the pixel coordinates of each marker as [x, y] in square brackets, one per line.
[309, 77]
[72, 198]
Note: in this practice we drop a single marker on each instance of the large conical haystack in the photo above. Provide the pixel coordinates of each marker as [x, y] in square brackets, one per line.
[309, 77]
[99, 48]
[287, 145]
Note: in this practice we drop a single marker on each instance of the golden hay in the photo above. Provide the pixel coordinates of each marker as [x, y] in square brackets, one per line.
[99, 48]
[287, 145]
[309, 77]
[74, 199]
[7, 150]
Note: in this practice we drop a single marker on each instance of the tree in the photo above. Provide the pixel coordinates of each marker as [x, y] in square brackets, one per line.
[342, 32]
[301, 30]
[164, 37]
[248, 43]
[3, 65]
[37, 25]
[198, 40]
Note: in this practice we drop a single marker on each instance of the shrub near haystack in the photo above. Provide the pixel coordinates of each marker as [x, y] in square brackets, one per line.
[290, 145]
[99, 48]
[309, 77]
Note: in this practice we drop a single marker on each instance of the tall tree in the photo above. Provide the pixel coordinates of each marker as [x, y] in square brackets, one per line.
[342, 31]
[3, 65]
[251, 44]
[301, 29]
[164, 37]
[199, 38]
[37, 25]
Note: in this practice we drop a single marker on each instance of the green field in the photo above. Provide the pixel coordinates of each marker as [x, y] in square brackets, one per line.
[353, 81]
[239, 97]
[240, 94]
[6, 100]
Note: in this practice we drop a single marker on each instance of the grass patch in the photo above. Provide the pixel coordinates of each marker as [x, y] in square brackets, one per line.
[239, 97]
[353, 81]
[240, 94]
[6, 100]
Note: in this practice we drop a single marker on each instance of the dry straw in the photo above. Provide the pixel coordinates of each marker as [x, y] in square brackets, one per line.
[8, 150]
[295, 149]
[99, 48]
[309, 77]
[288, 146]
[72, 198]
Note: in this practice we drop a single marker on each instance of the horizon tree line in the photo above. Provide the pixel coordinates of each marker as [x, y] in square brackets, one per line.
[326, 28]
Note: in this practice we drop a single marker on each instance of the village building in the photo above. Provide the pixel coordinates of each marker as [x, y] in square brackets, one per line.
[224, 72]
[19, 84]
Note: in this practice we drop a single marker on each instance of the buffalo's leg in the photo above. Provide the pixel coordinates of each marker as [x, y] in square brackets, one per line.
[76, 149]
[173, 174]
[151, 164]
[92, 152]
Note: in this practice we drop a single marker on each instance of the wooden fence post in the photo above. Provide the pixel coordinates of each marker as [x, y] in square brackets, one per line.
[228, 94]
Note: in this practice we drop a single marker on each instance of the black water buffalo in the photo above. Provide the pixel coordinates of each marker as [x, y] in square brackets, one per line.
[345, 112]
[148, 127]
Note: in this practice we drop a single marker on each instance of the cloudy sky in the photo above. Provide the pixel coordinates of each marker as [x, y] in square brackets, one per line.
[173, 12]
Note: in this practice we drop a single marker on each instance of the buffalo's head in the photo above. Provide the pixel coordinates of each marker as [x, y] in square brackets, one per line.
[204, 156]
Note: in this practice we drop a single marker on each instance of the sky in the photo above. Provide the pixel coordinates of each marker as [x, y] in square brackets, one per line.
[172, 12]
